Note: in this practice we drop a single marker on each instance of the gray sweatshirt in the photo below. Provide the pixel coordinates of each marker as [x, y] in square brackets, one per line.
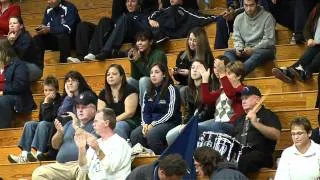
[257, 32]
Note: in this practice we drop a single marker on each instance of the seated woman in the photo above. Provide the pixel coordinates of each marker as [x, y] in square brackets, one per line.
[15, 91]
[36, 134]
[74, 85]
[142, 58]
[160, 111]
[209, 162]
[193, 108]
[302, 159]
[197, 47]
[25, 48]
[8, 9]
[122, 98]
[227, 99]
[309, 62]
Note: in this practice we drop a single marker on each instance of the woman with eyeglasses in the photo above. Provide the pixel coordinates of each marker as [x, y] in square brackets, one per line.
[302, 159]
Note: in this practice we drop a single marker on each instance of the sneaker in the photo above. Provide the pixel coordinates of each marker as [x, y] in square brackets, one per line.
[103, 55]
[118, 54]
[17, 159]
[73, 60]
[299, 73]
[43, 157]
[283, 74]
[31, 157]
[90, 57]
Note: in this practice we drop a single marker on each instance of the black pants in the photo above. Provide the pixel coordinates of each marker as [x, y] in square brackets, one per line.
[252, 161]
[310, 60]
[292, 13]
[6, 110]
[124, 31]
[90, 38]
[61, 42]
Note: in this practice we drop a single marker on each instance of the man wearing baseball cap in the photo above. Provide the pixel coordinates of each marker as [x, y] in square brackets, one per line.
[258, 130]
[67, 165]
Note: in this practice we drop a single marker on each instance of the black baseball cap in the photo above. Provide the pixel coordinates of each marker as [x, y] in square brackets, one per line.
[86, 98]
[250, 90]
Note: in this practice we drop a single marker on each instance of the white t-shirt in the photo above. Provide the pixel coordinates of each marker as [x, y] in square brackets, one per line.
[116, 165]
[296, 166]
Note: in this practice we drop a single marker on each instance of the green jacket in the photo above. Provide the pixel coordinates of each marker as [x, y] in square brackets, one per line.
[142, 66]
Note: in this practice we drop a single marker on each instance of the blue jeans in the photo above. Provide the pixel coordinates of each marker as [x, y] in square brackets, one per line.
[155, 139]
[36, 135]
[123, 129]
[218, 127]
[35, 72]
[258, 58]
[142, 85]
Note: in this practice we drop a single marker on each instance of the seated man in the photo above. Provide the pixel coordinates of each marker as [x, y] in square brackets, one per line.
[125, 29]
[254, 36]
[175, 21]
[57, 29]
[258, 131]
[108, 157]
[209, 162]
[67, 165]
[171, 167]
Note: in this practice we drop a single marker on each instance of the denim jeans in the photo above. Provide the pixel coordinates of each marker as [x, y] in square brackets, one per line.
[35, 72]
[36, 135]
[174, 133]
[217, 127]
[155, 139]
[6, 110]
[258, 58]
[142, 85]
[123, 129]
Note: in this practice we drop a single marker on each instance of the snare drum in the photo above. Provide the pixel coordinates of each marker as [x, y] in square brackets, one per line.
[227, 146]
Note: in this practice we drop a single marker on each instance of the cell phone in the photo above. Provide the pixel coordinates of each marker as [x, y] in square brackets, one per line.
[63, 119]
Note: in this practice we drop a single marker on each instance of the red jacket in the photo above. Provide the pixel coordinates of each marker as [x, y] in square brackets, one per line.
[13, 10]
[1, 80]
[234, 94]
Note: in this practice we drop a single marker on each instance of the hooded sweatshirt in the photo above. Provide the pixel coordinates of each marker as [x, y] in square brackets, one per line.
[257, 32]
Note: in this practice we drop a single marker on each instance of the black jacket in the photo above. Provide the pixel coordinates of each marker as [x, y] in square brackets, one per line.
[48, 111]
[26, 49]
[17, 83]
[176, 21]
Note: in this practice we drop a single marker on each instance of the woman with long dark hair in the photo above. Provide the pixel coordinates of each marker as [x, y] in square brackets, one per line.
[118, 95]
[160, 111]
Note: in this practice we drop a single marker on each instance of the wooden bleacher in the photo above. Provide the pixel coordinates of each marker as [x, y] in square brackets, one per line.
[287, 100]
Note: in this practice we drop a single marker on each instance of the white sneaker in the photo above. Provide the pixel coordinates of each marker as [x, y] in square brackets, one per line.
[17, 159]
[73, 60]
[90, 57]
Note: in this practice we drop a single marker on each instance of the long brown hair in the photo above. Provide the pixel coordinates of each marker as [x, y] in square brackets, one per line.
[6, 52]
[167, 80]
[108, 93]
[203, 46]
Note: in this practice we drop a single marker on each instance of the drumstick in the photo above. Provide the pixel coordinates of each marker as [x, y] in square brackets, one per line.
[256, 107]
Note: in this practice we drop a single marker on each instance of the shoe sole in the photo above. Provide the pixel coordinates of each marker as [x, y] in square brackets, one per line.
[31, 158]
[11, 160]
[296, 74]
[280, 75]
